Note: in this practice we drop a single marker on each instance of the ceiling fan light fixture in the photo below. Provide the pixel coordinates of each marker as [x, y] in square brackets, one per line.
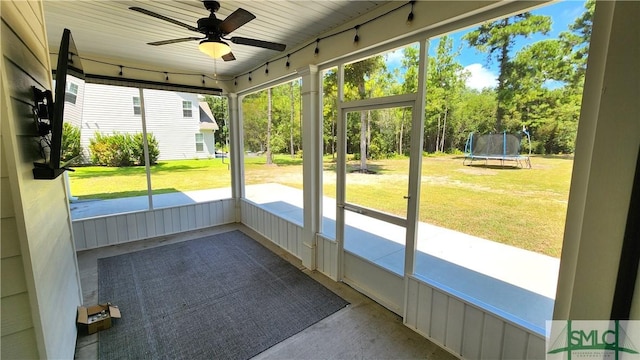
[214, 48]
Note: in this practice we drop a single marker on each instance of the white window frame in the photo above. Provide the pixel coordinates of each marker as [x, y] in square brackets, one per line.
[187, 109]
[71, 92]
[137, 110]
[199, 142]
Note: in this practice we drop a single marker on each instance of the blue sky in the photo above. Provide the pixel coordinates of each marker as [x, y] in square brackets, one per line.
[484, 73]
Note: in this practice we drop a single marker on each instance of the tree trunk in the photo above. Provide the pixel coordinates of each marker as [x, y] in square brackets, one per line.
[438, 135]
[363, 141]
[444, 129]
[502, 78]
[333, 138]
[269, 157]
[293, 152]
[368, 128]
[400, 144]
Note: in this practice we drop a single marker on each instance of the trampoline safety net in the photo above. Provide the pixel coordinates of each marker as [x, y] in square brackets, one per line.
[504, 147]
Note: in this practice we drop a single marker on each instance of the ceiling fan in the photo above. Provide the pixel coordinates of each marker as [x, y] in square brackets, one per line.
[215, 31]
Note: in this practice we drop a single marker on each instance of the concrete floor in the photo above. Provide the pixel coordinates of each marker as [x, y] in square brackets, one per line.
[363, 330]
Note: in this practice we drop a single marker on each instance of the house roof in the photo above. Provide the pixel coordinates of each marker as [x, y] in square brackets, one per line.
[207, 120]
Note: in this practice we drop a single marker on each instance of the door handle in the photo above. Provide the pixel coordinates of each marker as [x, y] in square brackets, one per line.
[349, 208]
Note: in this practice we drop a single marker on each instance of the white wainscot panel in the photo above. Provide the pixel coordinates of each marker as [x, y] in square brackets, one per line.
[327, 255]
[465, 329]
[382, 285]
[119, 228]
[276, 229]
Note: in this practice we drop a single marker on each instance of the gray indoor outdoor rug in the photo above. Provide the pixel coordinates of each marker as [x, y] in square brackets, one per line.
[219, 297]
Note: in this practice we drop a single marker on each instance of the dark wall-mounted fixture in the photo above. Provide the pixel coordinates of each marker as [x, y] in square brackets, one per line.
[49, 115]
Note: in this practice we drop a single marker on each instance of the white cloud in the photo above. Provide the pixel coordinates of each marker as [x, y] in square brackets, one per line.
[394, 58]
[480, 77]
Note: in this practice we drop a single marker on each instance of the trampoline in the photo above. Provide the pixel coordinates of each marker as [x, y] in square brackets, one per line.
[499, 147]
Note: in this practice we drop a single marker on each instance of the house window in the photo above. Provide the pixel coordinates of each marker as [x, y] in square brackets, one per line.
[136, 105]
[186, 109]
[71, 93]
[199, 142]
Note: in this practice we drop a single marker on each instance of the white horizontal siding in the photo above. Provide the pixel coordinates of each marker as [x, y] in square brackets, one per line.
[209, 148]
[464, 329]
[73, 111]
[114, 229]
[175, 133]
[109, 109]
[285, 234]
[41, 283]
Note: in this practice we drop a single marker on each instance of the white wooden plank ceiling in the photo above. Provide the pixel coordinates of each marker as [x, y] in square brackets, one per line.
[109, 29]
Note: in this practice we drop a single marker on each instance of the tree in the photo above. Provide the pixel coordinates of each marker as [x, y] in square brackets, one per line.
[356, 75]
[577, 40]
[293, 109]
[71, 147]
[219, 106]
[285, 116]
[543, 101]
[476, 113]
[445, 82]
[497, 39]
[254, 121]
[329, 111]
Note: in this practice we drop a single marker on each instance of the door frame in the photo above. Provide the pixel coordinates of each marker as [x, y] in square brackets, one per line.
[395, 101]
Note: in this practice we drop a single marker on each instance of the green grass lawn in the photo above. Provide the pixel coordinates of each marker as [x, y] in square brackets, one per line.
[521, 207]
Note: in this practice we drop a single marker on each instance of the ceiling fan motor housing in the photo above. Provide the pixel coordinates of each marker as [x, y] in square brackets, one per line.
[215, 31]
[210, 26]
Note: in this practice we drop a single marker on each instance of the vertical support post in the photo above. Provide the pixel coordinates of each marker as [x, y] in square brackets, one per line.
[415, 164]
[341, 173]
[504, 143]
[145, 146]
[311, 164]
[236, 152]
[604, 167]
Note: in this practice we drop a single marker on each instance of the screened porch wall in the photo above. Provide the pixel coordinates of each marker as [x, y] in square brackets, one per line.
[114, 229]
[459, 326]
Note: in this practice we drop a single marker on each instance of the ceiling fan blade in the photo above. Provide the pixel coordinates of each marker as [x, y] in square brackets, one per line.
[228, 57]
[162, 17]
[235, 20]
[258, 43]
[173, 41]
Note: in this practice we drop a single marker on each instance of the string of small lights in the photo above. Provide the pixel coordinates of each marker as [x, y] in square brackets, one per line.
[120, 69]
[316, 42]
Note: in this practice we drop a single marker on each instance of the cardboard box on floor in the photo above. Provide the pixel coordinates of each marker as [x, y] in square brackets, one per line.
[97, 317]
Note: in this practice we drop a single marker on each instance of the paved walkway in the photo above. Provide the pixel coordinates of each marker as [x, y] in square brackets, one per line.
[515, 282]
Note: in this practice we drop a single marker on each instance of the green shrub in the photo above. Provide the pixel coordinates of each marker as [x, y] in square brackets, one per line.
[222, 147]
[111, 150]
[71, 148]
[122, 149]
[138, 149]
[537, 147]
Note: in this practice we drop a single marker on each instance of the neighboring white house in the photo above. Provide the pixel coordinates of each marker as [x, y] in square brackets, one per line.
[182, 124]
